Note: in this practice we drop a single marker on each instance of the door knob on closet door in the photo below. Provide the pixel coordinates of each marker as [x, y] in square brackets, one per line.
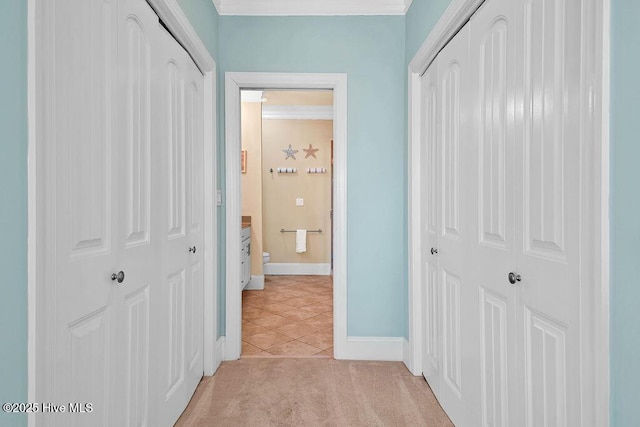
[434, 251]
[513, 278]
[119, 277]
[192, 250]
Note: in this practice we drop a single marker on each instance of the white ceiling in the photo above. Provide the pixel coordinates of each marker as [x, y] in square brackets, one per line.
[312, 7]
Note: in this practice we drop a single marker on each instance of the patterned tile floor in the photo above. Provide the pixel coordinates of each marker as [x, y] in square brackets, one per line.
[291, 317]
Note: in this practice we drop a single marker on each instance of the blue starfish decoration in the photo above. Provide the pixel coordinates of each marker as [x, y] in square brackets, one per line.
[290, 152]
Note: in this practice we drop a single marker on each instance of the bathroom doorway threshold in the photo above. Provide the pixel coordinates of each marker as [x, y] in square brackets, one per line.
[291, 317]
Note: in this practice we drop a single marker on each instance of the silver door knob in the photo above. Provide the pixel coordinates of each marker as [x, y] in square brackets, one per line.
[119, 276]
[513, 278]
[434, 251]
[192, 250]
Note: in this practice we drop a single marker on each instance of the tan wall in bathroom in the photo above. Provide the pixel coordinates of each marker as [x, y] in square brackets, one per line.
[251, 120]
[281, 190]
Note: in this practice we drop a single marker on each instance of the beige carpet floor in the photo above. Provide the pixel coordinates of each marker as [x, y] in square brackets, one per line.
[313, 392]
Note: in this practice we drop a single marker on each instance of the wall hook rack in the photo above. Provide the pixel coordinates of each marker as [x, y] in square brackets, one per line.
[287, 170]
[316, 170]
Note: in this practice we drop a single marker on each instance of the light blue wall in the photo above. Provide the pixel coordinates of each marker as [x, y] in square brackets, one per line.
[371, 51]
[421, 17]
[13, 207]
[625, 213]
[204, 17]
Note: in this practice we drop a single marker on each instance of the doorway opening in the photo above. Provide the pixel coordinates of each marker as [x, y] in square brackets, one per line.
[286, 177]
[283, 85]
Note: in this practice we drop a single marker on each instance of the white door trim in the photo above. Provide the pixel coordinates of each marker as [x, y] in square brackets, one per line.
[595, 174]
[39, 265]
[453, 18]
[233, 83]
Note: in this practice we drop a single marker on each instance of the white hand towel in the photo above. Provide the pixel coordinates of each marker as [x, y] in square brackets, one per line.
[301, 241]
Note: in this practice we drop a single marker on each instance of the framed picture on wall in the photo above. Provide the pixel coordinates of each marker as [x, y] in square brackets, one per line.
[243, 161]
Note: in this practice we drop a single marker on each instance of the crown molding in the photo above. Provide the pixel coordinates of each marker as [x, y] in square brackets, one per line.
[311, 7]
[297, 112]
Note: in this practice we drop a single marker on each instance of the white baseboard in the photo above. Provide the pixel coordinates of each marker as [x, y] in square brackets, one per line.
[372, 348]
[298, 269]
[256, 283]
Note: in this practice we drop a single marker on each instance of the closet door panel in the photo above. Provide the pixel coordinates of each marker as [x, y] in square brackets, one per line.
[80, 96]
[432, 344]
[179, 316]
[169, 310]
[136, 359]
[432, 325]
[194, 128]
[544, 139]
[459, 389]
[548, 215]
[137, 241]
[175, 148]
[494, 358]
[86, 125]
[176, 334]
[195, 213]
[449, 245]
[177, 243]
[492, 53]
[496, 299]
[492, 136]
[451, 348]
[450, 138]
[135, 87]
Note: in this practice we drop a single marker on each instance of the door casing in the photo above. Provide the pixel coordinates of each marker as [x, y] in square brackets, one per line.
[234, 82]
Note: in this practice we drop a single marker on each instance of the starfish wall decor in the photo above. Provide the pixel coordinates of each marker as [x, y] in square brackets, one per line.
[311, 152]
[290, 152]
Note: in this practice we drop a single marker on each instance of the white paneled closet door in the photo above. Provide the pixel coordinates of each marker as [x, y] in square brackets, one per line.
[178, 363]
[528, 207]
[138, 223]
[459, 297]
[450, 297]
[126, 199]
[194, 132]
[85, 303]
[492, 53]
[507, 196]
[432, 324]
[548, 216]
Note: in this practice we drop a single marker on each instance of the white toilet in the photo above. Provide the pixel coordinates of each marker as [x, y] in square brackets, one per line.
[266, 257]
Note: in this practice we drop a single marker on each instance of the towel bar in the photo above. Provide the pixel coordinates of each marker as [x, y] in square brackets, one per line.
[319, 230]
